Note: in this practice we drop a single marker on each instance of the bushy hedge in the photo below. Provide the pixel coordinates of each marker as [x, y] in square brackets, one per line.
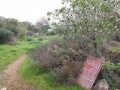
[6, 36]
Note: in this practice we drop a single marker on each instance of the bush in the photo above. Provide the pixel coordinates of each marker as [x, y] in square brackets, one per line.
[6, 36]
[113, 43]
[44, 58]
[40, 39]
[61, 58]
[111, 72]
[113, 56]
[68, 72]
[29, 39]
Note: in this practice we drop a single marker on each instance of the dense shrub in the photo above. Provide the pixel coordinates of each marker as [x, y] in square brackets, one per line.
[111, 72]
[40, 39]
[111, 69]
[44, 58]
[29, 39]
[61, 58]
[6, 36]
[68, 72]
[112, 55]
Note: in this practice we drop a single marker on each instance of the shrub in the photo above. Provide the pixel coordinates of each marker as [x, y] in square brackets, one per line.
[113, 56]
[111, 68]
[61, 58]
[29, 39]
[6, 36]
[68, 72]
[44, 58]
[111, 72]
[40, 39]
[113, 43]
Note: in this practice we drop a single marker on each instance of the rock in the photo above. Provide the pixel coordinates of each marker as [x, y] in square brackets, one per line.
[3, 88]
[101, 85]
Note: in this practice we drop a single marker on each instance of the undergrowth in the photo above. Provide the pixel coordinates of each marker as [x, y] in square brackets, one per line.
[42, 79]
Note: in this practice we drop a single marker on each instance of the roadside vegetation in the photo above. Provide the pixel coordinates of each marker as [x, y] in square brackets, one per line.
[85, 28]
[40, 78]
[9, 53]
[88, 28]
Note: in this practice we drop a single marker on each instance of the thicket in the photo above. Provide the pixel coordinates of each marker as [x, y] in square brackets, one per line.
[60, 58]
[6, 36]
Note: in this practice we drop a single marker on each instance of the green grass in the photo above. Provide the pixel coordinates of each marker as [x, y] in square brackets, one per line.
[42, 80]
[9, 53]
[117, 48]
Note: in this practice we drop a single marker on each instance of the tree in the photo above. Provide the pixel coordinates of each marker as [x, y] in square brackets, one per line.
[96, 20]
[43, 25]
[11, 24]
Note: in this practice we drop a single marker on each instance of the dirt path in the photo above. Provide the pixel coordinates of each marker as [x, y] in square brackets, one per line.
[12, 80]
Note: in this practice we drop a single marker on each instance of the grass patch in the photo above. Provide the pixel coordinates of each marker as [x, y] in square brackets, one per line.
[117, 48]
[9, 53]
[40, 78]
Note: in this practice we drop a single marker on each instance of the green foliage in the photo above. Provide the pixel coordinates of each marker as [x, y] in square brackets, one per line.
[111, 66]
[5, 36]
[40, 39]
[11, 24]
[8, 53]
[117, 48]
[96, 19]
[42, 79]
[18, 28]
[29, 38]
[111, 72]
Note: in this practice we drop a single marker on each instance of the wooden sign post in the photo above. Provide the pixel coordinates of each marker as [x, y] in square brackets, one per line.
[89, 72]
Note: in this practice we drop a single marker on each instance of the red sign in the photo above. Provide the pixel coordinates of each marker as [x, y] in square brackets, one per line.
[89, 72]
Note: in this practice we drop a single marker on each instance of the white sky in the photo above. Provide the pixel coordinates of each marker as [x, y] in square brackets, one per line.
[27, 10]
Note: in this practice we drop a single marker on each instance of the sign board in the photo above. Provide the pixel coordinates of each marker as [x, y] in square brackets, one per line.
[89, 72]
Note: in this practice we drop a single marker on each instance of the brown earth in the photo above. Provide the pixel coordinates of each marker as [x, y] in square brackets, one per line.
[12, 80]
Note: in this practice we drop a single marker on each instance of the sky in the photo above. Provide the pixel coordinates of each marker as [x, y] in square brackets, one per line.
[28, 10]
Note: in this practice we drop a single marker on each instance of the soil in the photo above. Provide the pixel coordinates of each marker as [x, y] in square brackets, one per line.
[11, 80]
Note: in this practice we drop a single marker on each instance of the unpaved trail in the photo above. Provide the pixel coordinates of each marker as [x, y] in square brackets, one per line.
[11, 80]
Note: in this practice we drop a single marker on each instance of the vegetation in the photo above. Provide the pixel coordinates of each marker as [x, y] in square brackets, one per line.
[93, 24]
[87, 27]
[6, 36]
[41, 78]
[20, 29]
[8, 53]
[96, 20]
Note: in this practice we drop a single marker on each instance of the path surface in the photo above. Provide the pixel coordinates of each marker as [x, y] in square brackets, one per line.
[11, 78]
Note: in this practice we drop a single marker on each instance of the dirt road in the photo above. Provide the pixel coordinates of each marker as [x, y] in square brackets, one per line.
[11, 80]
